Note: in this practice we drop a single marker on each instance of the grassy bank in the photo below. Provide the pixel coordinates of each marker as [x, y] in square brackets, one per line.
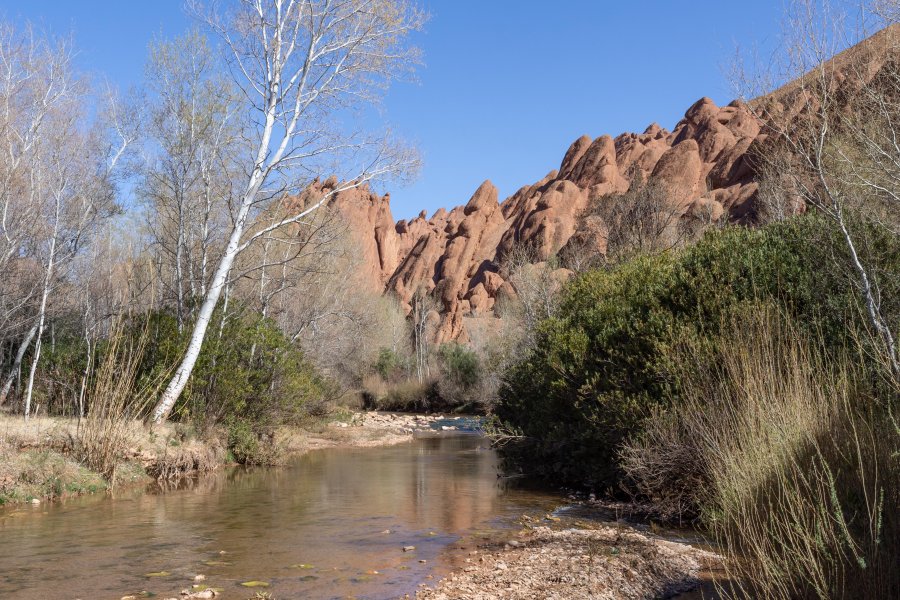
[45, 459]
[41, 459]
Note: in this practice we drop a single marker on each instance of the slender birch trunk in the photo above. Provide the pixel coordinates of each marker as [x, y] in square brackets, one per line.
[17, 364]
[220, 278]
[41, 319]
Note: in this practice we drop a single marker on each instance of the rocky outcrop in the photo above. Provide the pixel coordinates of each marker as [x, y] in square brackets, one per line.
[705, 165]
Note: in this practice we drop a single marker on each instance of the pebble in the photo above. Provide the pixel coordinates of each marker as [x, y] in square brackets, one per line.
[408, 548]
[551, 555]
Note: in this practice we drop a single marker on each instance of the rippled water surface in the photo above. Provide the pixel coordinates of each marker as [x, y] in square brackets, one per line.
[331, 525]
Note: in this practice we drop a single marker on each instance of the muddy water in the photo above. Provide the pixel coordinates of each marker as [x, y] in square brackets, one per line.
[331, 525]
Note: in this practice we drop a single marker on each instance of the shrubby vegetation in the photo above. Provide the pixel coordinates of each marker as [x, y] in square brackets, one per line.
[455, 382]
[169, 231]
[787, 451]
[607, 359]
[737, 384]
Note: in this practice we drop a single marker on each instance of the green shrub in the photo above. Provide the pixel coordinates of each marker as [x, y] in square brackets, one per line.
[595, 370]
[460, 364]
[248, 444]
[250, 372]
[248, 378]
[605, 361]
[390, 365]
[458, 386]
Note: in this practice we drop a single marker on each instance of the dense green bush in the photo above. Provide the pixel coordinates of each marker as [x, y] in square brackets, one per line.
[458, 385]
[605, 361]
[460, 364]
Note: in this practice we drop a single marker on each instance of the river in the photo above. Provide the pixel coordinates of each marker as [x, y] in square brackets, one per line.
[332, 524]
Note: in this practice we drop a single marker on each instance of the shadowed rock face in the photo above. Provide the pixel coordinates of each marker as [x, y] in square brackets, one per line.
[705, 165]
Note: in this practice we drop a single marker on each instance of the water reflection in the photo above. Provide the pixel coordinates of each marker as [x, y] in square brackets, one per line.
[317, 529]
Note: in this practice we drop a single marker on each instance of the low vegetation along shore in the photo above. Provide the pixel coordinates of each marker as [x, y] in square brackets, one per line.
[42, 459]
[704, 321]
[40, 462]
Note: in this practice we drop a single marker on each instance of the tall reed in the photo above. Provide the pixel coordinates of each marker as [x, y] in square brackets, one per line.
[115, 403]
[790, 458]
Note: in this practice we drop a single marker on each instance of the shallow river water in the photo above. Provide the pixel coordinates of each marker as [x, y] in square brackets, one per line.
[333, 524]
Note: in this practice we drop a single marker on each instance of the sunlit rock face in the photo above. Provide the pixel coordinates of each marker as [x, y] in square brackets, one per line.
[455, 254]
[706, 166]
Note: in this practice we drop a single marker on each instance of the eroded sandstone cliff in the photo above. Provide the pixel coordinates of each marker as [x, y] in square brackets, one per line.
[707, 166]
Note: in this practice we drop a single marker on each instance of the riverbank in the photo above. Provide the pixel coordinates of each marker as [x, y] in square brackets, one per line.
[39, 458]
[591, 561]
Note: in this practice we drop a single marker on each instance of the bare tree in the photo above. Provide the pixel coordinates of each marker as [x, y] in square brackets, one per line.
[299, 63]
[187, 185]
[537, 285]
[57, 184]
[837, 120]
[424, 309]
[309, 278]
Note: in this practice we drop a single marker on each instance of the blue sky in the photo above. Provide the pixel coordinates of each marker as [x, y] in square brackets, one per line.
[506, 86]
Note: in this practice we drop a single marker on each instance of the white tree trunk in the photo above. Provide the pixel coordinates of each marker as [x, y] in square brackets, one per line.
[40, 328]
[302, 58]
[220, 278]
[17, 365]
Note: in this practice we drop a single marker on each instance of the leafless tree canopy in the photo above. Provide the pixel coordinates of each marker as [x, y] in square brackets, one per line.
[224, 147]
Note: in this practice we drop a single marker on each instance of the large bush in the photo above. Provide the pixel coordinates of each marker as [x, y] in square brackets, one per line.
[605, 361]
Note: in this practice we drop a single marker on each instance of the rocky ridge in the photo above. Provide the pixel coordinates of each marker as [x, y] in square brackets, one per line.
[455, 255]
[705, 165]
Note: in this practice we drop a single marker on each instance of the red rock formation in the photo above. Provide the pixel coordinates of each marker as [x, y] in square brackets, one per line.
[705, 165]
[702, 163]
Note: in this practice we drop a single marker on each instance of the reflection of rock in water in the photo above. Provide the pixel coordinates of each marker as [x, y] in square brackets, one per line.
[340, 514]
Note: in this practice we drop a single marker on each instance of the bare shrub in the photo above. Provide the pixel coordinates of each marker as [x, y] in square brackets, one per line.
[407, 396]
[643, 220]
[115, 404]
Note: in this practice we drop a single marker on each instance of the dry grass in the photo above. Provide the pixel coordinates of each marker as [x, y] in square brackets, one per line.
[40, 458]
[407, 395]
[794, 469]
[114, 402]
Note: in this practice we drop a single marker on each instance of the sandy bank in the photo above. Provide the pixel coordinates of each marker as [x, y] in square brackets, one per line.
[366, 429]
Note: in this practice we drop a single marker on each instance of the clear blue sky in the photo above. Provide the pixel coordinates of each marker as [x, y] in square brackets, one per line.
[507, 85]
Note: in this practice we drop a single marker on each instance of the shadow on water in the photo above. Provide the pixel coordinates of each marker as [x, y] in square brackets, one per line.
[332, 524]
